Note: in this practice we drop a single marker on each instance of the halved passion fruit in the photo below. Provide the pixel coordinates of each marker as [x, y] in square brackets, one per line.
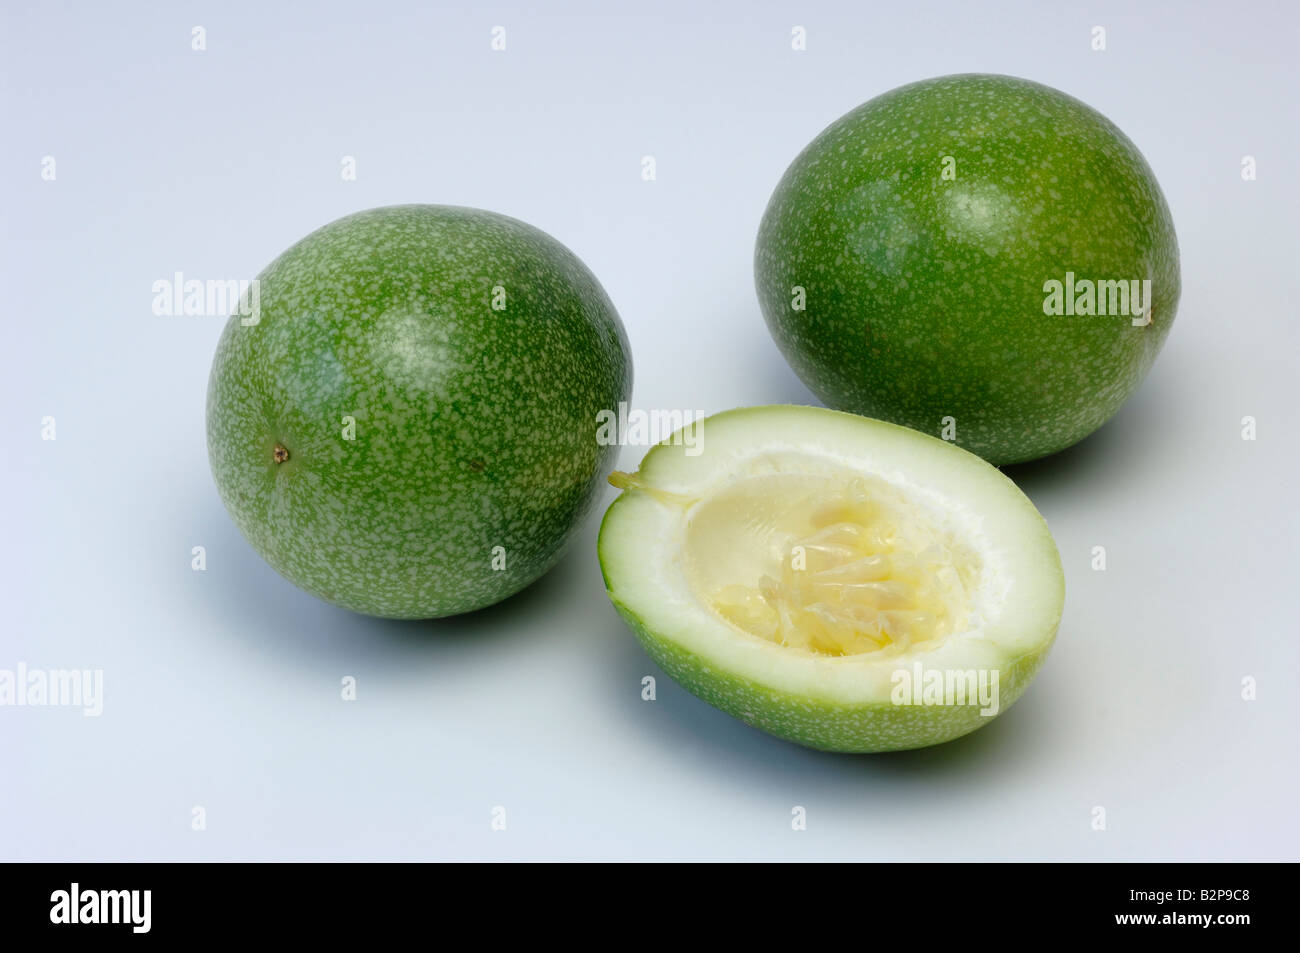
[840, 582]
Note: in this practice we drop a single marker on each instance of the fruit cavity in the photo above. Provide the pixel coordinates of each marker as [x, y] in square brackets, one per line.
[837, 565]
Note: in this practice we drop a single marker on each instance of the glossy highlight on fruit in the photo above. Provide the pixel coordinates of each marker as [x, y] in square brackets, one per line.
[836, 581]
[406, 425]
[978, 257]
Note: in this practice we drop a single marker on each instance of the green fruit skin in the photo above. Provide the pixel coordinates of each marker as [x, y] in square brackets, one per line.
[828, 726]
[474, 427]
[925, 291]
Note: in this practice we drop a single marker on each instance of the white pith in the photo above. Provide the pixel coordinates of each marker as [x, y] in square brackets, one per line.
[1007, 607]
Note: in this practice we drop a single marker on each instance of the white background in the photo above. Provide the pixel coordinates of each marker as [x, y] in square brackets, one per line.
[222, 687]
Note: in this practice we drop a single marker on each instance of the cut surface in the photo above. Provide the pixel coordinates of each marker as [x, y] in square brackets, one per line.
[833, 563]
[788, 571]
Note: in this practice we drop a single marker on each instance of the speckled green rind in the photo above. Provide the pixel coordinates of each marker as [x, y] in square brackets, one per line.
[924, 295]
[827, 725]
[475, 428]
